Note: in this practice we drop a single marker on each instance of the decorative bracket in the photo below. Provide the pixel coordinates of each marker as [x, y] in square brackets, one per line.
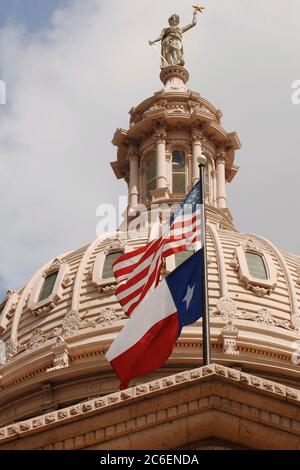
[229, 334]
[60, 355]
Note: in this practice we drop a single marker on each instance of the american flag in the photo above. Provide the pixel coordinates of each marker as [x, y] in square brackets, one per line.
[139, 271]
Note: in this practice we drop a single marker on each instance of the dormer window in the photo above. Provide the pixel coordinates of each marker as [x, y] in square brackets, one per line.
[103, 277]
[256, 265]
[107, 272]
[255, 268]
[48, 286]
[178, 171]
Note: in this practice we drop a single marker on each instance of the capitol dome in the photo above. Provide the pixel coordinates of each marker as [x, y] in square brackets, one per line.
[57, 389]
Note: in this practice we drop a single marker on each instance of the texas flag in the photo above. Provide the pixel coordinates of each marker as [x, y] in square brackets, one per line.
[150, 335]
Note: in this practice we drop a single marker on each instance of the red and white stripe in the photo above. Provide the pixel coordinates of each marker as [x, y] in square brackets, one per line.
[147, 339]
[139, 271]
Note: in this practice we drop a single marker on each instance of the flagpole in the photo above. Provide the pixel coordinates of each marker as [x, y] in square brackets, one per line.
[205, 319]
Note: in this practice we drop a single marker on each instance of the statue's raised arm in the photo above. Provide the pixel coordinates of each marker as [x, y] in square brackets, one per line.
[192, 24]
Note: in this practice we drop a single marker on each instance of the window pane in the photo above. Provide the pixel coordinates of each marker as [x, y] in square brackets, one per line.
[109, 261]
[151, 169]
[178, 161]
[150, 176]
[150, 187]
[182, 257]
[47, 287]
[178, 169]
[179, 183]
[256, 266]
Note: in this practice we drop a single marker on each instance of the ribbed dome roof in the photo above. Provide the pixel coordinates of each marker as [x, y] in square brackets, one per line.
[64, 343]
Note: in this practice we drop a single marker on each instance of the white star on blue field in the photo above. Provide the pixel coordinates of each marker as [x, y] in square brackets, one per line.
[189, 296]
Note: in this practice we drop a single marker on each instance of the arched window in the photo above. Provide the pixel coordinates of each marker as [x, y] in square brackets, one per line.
[182, 257]
[256, 265]
[150, 177]
[107, 272]
[48, 286]
[178, 171]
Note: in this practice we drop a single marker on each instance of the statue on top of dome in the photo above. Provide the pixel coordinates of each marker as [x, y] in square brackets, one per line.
[171, 40]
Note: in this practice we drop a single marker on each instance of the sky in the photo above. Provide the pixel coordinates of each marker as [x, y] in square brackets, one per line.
[73, 69]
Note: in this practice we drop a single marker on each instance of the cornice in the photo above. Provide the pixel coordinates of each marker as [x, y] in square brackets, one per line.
[216, 375]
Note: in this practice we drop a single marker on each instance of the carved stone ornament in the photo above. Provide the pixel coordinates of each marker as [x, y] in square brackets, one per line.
[9, 293]
[66, 281]
[265, 318]
[61, 355]
[252, 245]
[72, 323]
[108, 290]
[234, 263]
[229, 334]
[227, 312]
[11, 349]
[161, 137]
[226, 308]
[108, 316]
[44, 311]
[259, 291]
[55, 266]
[115, 245]
[35, 340]
[296, 321]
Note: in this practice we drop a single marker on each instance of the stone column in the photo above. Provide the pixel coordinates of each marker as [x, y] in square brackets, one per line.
[197, 152]
[161, 174]
[214, 188]
[221, 182]
[133, 180]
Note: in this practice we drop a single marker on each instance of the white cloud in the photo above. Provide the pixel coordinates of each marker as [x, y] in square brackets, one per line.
[70, 86]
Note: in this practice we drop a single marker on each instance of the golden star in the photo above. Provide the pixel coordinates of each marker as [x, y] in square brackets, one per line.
[199, 8]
